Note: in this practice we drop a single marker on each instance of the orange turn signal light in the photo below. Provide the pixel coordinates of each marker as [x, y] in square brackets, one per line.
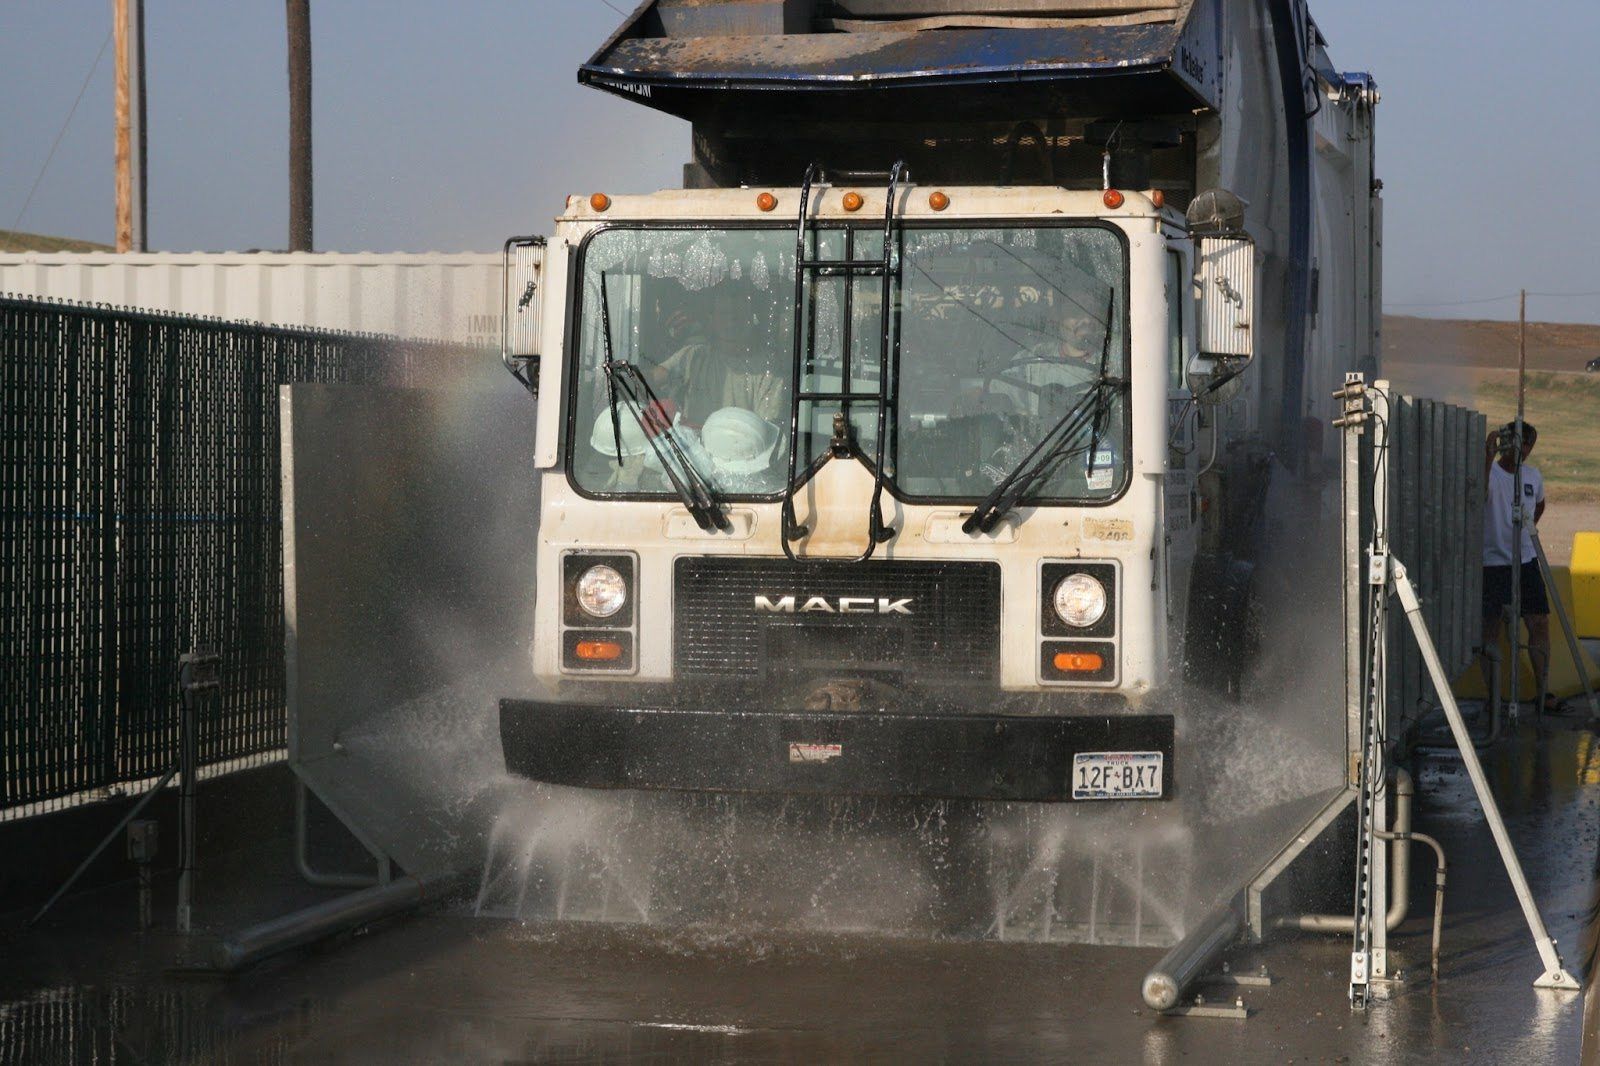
[602, 651]
[599, 201]
[938, 201]
[853, 201]
[1074, 662]
[766, 201]
[1112, 198]
[1158, 198]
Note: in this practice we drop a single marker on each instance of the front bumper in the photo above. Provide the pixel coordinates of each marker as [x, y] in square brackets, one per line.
[948, 756]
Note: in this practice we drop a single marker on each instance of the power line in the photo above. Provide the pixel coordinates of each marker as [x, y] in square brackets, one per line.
[63, 131]
[1454, 303]
[1491, 299]
[615, 8]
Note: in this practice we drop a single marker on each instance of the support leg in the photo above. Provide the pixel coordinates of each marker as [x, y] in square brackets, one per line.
[1555, 975]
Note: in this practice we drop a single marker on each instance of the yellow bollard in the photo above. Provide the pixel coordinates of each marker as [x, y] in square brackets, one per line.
[1586, 584]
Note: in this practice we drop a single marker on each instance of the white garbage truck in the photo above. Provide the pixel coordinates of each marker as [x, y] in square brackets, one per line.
[919, 444]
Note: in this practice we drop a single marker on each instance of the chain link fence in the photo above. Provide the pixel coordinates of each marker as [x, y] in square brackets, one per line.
[140, 517]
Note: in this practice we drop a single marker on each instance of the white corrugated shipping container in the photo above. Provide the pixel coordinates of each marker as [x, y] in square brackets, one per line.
[424, 296]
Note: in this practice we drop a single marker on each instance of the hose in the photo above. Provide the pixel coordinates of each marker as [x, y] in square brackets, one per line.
[1400, 875]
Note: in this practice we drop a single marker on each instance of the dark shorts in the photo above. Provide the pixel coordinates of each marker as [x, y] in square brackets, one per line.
[1497, 589]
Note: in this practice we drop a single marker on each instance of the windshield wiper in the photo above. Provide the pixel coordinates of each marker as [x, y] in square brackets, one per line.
[1055, 446]
[1102, 408]
[1092, 411]
[624, 381]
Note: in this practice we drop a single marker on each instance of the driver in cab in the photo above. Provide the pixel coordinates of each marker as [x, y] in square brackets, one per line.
[1044, 380]
[721, 361]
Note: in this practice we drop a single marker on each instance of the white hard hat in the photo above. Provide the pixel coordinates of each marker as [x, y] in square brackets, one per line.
[603, 438]
[739, 441]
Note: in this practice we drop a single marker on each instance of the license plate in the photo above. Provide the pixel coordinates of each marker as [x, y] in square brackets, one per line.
[1099, 775]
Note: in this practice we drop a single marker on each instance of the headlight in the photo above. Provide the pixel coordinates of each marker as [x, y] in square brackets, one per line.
[1080, 600]
[601, 591]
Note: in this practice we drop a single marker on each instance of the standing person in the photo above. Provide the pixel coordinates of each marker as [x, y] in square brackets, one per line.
[1502, 563]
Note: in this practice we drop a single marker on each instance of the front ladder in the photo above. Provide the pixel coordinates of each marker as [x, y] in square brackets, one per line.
[843, 443]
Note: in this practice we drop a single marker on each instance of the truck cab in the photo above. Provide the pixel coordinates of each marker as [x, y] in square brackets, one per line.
[838, 472]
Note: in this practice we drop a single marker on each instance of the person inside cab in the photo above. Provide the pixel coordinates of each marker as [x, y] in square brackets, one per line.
[1043, 381]
[722, 361]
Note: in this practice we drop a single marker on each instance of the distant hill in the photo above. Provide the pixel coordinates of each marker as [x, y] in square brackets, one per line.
[16, 241]
[1476, 343]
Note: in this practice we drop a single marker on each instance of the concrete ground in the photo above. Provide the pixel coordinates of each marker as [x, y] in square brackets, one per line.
[443, 986]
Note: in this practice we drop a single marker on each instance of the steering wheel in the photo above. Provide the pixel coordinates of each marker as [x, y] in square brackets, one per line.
[1071, 394]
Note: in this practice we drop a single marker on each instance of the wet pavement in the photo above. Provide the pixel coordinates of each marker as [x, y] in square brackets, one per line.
[444, 986]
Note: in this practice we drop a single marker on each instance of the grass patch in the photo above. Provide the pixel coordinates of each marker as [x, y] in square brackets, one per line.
[1566, 409]
[17, 241]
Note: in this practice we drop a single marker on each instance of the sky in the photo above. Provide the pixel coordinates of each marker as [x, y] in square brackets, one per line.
[448, 126]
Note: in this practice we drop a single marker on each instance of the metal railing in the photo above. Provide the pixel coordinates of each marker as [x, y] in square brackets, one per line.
[140, 517]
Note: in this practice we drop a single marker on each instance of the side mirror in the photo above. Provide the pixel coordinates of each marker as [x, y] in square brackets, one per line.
[1226, 280]
[522, 264]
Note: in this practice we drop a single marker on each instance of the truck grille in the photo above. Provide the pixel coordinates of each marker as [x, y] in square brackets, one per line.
[950, 628]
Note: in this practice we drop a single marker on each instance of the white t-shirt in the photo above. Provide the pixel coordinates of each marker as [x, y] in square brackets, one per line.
[1497, 513]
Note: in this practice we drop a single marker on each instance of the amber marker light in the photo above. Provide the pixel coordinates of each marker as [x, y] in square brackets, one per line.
[1113, 198]
[1073, 662]
[766, 201]
[609, 651]
[1158, 198]
[599, 201]
[938, 201]
[853, 201]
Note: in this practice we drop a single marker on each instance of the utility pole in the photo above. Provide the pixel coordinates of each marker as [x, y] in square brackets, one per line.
[119, 30]
[128, 31]
[299, 24]
[1518, 519]
[137, 139]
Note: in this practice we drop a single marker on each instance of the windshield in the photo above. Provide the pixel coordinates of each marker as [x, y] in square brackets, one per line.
[997, 334]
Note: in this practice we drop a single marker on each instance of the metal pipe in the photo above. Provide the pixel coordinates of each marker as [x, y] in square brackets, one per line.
[1399, 873]
[302, 861]
[1438, 895]
[1517, 517]
[1165, 984]
[187, 830]
[249, 946]
[1216, 431]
